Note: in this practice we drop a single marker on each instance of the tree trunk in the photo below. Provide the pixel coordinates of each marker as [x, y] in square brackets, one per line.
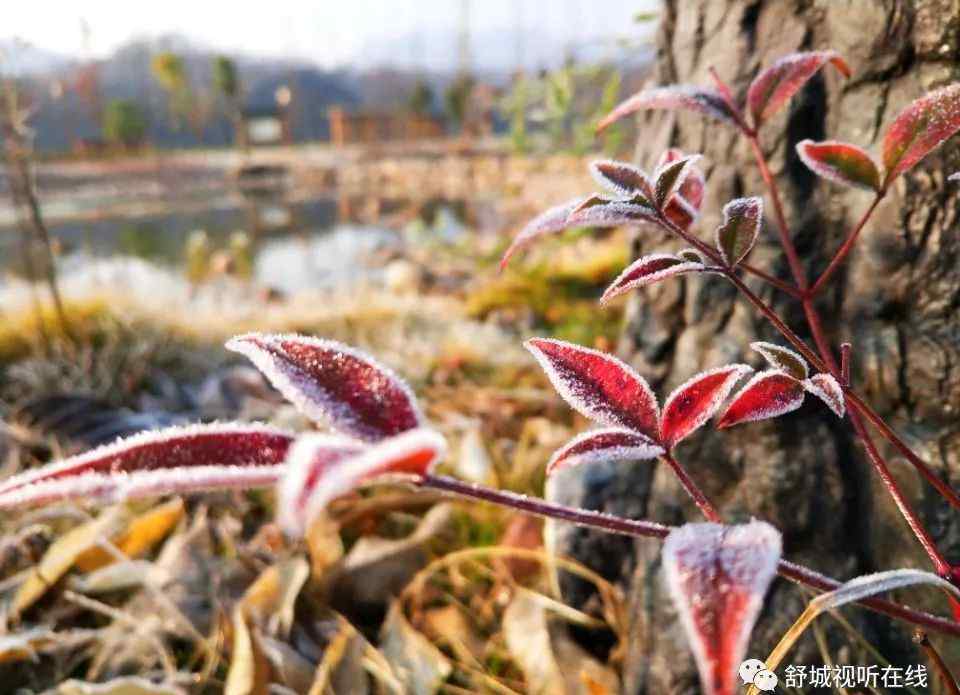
[895, 300]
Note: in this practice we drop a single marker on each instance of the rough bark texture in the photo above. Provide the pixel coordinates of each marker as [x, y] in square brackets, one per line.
[895, 300]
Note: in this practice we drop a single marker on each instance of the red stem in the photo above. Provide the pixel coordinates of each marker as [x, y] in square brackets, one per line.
[845, 349]
[845, 248]
[704, 504]
[649, 529]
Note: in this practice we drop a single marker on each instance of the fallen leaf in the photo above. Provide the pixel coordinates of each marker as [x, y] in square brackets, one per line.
[528, 641]
[419, 665]
[139, 537]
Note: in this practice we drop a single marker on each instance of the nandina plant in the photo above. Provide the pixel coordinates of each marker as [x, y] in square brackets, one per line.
[717, 574]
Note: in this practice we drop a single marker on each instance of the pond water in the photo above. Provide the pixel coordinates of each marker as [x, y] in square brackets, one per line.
[298, 245]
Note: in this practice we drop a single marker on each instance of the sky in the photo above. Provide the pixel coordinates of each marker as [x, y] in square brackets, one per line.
[335, 33]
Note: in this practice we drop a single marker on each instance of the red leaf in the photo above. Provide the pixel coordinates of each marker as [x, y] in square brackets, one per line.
[766, 395]
[827, 389]
[622, 179]
[783, 359]
[319, 470]
[332, 382]
[598, 386]
[648, 270]
[670, 177]
[684, 211]
[840, 162]
[717, 577]
[549, 222]
[695, 401]
[919, 129]
[699, 99]
[773, 87]
[741, 226]
[612, 214]
[173, 460]
[599, 446]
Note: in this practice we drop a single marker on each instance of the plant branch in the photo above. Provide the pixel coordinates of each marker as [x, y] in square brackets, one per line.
[949, 682]
[704, 504]
[845, 248]
[650, 529]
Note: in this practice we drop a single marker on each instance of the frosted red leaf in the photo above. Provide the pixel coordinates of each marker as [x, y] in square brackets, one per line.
[684, 207]
[768, 394]
[600, 446]
[669, 178]
[621, 179]
[318, 471]
[919, 129]
[548, 222]
[334, 383]
[741, 226]
[840, 162]
[648, 270]
[827, 389]
[783, 359]
[774, 87]
[696, 400]
[717, 577]
[173, 460]
[612, 214]
[688, 97]
[598, 386]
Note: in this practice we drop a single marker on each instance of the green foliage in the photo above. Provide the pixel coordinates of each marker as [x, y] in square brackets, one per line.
[456, 99]
[124, 123]
[420, 101]
[168, 69]
[225, 77]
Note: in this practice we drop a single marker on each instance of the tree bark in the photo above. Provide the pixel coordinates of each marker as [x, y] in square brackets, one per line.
[895, 299]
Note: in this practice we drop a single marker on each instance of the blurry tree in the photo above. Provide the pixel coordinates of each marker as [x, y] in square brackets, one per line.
[124, 123]
[420, 101]
[15, 114]
[226, 80]
[169, 70]
[456, 98]
[515, 105]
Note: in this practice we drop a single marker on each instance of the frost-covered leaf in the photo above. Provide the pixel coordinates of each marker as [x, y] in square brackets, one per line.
[334, 383]
[669, 178]
[840, 162]
[695, 401]
[648, 270]
[689, 97]
[173, 460]
[621, 179]
[740, 228]
[782, 358]
[773, 87]
[919, 129]
[598, 386]
[717, 577]
[827, 388]
[314, 476]
[612, 214]
[311, 458]
[600, 446]
[548, 222]
[768, 394]
[684, 207]
[954, 177]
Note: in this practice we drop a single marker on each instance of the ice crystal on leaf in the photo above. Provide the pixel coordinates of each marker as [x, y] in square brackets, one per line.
[695, 401]
[670, 178]
[827, 389]
[919, 129]
[717, 577]
[741, 226]
[705, 101]
[334, 383]
[598, 386]
[177, 459]
[621, 179]
[599, 446]
[782, 358]
[648, 270]
[768, 394]
[840, 162]
[774, 87]
[319, 470]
